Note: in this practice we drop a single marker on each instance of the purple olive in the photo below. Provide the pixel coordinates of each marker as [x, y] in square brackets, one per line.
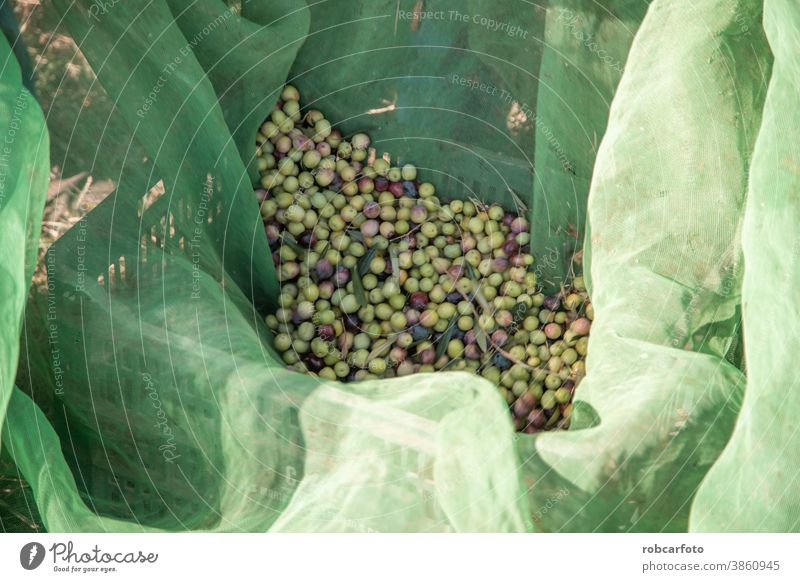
[455, 271]
[472, 352]
[342, 276]
[499, 337]
[427, 356]
[314, 363]
[326, 332]
[344, 342]
[552, 302]
[381, 184]
[307, 239]
[510, 247]
[370, 228]
[418, 300]
[537, 419]
[302, 143]
[454, 297]
[396, 188]
[410, 189]
[273, 233]
[372, 209]
[500, 265]
[324, 269]
[519, 225]
[524, 405]
[419, 214]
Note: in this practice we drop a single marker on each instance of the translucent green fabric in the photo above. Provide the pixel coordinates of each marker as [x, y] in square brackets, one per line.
[23, 185]
[172, 411]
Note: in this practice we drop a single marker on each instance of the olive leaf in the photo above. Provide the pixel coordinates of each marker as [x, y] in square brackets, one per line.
[554, 419]
[480, 337]
[363, 263]
[471, 272]
[358, 288]
[292, 243]
[395, 264]
[444, 339]
[482, 301]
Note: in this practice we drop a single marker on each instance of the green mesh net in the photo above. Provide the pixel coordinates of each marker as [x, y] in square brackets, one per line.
[155, 401]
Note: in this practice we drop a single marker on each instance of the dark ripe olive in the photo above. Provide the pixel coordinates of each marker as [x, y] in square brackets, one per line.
[352, 323]
[537, 418]
[524, 405]
[499, 337]
[469, 337]
[326, 332]
[508, 218]
[381, 184]
[342, 276]
[419, 332]
[314, 363]
[396, 188]
[519, 225]
[427, 356]
[324, 269]
[500, 361]
[454, 297]
[472, 352]
[307, 239]
[418, 300]
[372, 209]
[273, 232]
[500, 265]
[510, 247]
[553, 302]
[456, 272]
